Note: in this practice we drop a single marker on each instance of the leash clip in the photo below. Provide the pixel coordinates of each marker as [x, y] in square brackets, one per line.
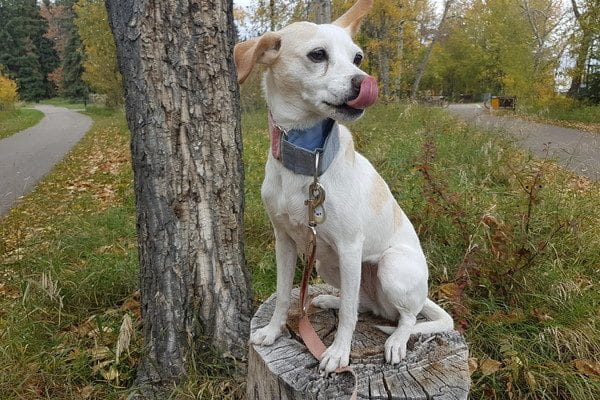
[316, 198]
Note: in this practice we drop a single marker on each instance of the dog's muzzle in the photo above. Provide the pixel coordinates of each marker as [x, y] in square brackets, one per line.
[367, 92]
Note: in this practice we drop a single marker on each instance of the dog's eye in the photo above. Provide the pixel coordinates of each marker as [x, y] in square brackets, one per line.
[357, 59]
[317, 55]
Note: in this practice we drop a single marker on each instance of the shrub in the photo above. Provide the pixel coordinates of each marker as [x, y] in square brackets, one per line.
[8, 93]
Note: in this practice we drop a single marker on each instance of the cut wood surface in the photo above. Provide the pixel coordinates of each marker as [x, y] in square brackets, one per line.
[435, 366]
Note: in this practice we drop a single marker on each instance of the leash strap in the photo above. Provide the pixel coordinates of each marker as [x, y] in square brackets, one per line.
[307, 332]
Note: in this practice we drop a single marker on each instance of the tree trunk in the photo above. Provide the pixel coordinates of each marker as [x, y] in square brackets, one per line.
[182, 102]
[423, 64]
[435, 367]
[272, 15]
[586, 40]
[400, 56]
[322, 11]
[578, 72]
[384, 68]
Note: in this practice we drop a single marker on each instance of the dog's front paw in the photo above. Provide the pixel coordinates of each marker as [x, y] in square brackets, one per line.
[395, 346]
[266, 336]
[326, 302]
[334, 357]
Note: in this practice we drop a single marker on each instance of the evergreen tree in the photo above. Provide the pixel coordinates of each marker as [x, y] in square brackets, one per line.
[27, 55]
[74, 87]
[72, 63]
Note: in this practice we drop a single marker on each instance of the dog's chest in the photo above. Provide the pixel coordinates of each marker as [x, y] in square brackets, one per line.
[285, 202]
[284, 196]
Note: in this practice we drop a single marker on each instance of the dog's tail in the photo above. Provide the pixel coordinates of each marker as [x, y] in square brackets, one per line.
[438, 320]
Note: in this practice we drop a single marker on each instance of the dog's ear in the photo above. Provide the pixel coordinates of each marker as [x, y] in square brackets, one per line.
[262, 50]
[352, 18]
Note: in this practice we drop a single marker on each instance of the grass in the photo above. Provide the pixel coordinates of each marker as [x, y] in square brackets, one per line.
[566, 112]
[69, 275]
[13, 121]
[63, 102]
[512, 243]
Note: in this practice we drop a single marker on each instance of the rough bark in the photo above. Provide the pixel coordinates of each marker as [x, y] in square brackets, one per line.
[182, 105]
[436, 366]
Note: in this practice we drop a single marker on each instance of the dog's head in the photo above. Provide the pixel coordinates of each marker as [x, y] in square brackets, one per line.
[312, 70]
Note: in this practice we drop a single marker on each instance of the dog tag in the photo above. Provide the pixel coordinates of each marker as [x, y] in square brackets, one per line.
[319, 214]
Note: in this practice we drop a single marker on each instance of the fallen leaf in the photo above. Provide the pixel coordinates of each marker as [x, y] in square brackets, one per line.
[100, 366]
[449, 291]
[100, 353]
[531, 381]
[110, 375]
[133, 304]
[473, 365]
[541, 315]
[9, 292]
[86, 392]
[515, 315]
[489, 366]
[587, 367]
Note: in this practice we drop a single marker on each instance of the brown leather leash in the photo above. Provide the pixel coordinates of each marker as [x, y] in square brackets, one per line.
[316, 215]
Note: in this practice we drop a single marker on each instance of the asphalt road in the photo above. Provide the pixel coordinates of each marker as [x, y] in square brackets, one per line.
[27, 156]
[576, 150]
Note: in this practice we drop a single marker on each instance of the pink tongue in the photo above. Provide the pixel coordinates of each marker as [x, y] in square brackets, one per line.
[367, 95]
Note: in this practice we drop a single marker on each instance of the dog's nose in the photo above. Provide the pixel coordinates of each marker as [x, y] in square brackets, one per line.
[356, 82]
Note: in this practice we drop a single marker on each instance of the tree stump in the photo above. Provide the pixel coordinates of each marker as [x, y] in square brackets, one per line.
[436, 366]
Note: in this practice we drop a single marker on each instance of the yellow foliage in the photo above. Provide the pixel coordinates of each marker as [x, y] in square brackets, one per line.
[8, 93]
[100, 65]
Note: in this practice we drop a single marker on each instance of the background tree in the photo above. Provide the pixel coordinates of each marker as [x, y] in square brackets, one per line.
[182, 108]
[322, 11]
[392, 36]
[67, 76]
[591, 90]
[27, 55]
[587, 30]
[437, 34]
[100, 66]
[8, 91]
[501, 47]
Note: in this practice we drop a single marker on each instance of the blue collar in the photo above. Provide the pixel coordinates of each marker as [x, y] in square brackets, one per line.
[297, 148]
[313, 138]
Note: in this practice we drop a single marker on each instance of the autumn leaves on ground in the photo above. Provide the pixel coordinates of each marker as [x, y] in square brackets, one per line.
[512, 245]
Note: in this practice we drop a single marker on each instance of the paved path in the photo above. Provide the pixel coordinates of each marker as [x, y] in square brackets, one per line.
[576, 150]
[27, 156]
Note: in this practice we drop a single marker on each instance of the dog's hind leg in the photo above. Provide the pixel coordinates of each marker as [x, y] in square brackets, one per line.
[402, 276]
[408, 296]
[330, 274]
[328, 269]
[395, 345]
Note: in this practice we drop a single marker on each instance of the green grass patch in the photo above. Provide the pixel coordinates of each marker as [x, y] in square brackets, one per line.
[13, 121]
[566, 112]
[512, 243]
[66, 103]
[69, 275]
[513, 247]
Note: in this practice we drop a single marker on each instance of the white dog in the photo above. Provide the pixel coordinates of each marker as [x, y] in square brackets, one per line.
[367, 247]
